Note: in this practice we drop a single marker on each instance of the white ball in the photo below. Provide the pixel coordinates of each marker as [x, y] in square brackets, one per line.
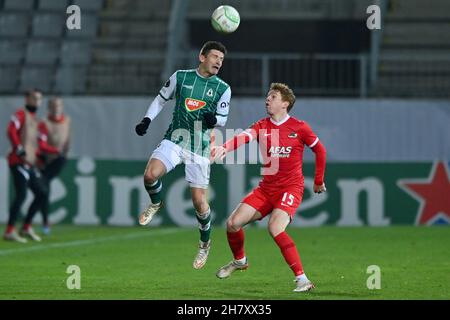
[225, 19]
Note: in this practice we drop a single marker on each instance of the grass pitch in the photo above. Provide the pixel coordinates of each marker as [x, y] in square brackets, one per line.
[156, 263]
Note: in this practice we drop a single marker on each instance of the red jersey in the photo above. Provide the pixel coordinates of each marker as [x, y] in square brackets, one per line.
[23, 129]
[282, 145]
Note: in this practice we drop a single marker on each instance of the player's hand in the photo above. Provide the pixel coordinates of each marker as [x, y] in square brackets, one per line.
[319, 189]
[20, 151]
[141, 127]
[209, 120]
[218, 152]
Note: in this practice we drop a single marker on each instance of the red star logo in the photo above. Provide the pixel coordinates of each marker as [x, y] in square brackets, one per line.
[433, 194]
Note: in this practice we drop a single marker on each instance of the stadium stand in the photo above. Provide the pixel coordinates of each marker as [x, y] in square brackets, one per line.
[122, 47]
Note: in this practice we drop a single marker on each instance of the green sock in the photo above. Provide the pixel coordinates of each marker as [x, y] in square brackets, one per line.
[204, 226]
[154, 191]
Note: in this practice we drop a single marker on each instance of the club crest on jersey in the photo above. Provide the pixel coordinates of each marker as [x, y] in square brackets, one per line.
[292, 135]
[280, 152]
[193, 104]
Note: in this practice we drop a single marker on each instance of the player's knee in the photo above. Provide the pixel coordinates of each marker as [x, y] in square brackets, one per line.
[274, 229]
[233, 225]
[200, 204]
[150, 176]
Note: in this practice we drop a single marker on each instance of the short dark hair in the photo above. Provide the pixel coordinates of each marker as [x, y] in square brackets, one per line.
[29, 92]
[212, 45]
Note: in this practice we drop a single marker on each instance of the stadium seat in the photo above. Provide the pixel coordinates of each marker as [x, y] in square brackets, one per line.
[13, 24]
[42, 52]
[9, 79]
[11, 51]
[37, 77]
[88, 27]
[53, 5]
[69, 80]
[25, 5]
[89, 5]
[48, 24]
[75, 52]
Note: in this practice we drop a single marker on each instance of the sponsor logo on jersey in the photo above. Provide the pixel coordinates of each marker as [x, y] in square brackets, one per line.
[210, 93]
[193, 104]
[292, 135]
[280, 152]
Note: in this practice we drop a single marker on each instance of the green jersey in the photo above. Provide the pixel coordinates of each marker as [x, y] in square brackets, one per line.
[194, 96]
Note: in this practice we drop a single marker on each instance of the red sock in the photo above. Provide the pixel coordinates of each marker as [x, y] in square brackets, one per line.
[289, 252]
[236, 242]
[9, 228]
[26, 226]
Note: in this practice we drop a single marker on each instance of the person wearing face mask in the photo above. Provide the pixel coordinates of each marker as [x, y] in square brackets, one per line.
[22, 132]
[54, 131]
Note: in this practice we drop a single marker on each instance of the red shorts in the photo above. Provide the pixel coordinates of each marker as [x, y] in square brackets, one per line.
[287, 200]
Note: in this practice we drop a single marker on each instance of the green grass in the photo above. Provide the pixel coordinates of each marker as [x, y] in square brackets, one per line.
[156, 263]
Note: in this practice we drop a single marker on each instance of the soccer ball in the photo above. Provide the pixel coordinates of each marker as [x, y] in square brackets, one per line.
[225, 19]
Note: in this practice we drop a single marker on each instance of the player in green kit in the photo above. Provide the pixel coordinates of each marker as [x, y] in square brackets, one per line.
[202, 102]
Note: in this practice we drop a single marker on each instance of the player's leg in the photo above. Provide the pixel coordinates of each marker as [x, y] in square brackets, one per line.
[203, 214]
[279, 220]
[40, 191]
[154, 170]
[163, 160]
[197, 170]
[253, 207]
[45, 207]
[20, 176]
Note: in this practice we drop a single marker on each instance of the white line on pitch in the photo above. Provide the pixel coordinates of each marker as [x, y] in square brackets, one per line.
[90, 241]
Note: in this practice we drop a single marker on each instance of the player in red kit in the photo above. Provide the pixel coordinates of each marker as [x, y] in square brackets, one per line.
[281, 139]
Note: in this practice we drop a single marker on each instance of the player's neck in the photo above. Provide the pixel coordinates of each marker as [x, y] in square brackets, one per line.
[204, 74]
[279, 117]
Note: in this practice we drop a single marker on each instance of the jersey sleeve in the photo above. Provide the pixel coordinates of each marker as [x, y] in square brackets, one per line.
[307, 136]
[223, 108]
[253, 131]
[14, 126]
[244, 137]
[166, 93]
[312, 141]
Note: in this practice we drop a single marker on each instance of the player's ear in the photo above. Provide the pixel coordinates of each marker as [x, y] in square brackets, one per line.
[201, 57]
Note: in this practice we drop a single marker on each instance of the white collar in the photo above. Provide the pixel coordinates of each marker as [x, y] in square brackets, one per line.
[206, 78]
[279, 123]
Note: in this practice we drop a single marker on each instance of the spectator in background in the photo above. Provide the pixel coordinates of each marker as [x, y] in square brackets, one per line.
[23, 134]
[54, 131]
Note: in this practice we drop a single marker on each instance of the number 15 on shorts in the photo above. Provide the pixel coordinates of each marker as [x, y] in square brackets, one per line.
[288, 199]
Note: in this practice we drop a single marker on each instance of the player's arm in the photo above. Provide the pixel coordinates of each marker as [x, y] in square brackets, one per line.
[14, 126]
[66, 146]
[44, 146]
[219, 118]
[238, 140]
[313, 142]
[165, 94]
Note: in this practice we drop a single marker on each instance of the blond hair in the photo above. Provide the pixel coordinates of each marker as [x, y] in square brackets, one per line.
[286, 93]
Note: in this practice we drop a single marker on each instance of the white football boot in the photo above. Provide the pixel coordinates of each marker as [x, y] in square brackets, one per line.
[147, 215]
[229, 268]
[14, 236]
[202, 254]
[303, 285]
[30, 234]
